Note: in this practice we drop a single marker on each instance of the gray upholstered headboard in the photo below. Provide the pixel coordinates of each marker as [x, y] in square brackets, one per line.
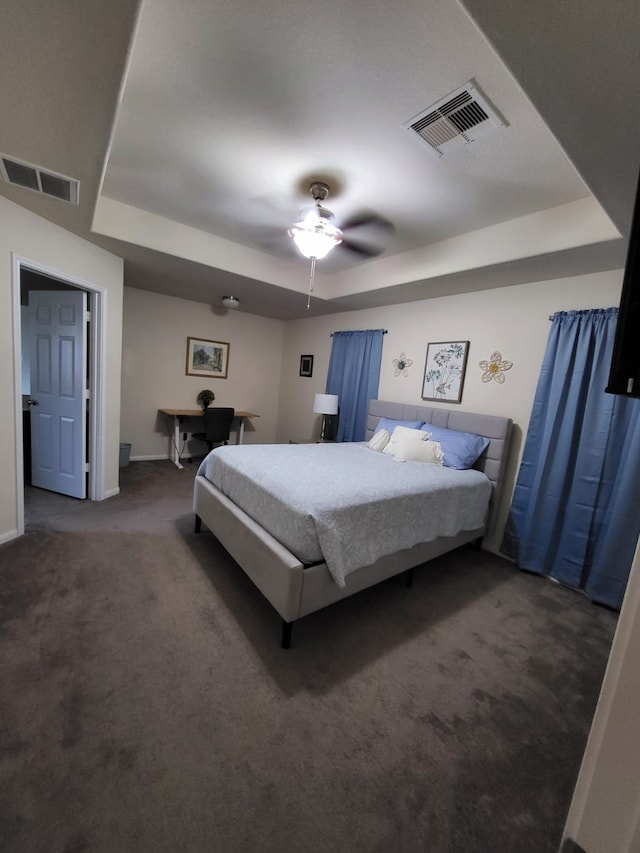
[497, 429]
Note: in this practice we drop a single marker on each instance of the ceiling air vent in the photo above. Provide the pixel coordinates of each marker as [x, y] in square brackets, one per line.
[457, 119]
[31, 177]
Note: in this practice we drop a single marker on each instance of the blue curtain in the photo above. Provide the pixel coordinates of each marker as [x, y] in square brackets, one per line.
[574, 514]
[354, 375]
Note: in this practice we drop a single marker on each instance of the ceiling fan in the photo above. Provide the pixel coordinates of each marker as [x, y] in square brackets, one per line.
[316, 232]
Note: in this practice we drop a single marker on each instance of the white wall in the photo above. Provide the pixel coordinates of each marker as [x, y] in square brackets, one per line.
[513, 320]
[36, 240]
[155, 332]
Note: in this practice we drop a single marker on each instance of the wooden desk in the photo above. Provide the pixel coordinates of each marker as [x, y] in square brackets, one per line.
[179, 416]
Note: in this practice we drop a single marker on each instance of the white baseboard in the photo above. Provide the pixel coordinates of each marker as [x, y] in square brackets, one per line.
[111, 493]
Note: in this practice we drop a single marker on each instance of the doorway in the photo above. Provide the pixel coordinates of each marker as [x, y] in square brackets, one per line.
[28, 277]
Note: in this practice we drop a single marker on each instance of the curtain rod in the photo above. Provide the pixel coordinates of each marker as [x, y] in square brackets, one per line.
[384, 331]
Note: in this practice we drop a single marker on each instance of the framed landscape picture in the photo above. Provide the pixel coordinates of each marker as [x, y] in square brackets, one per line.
[444, 371]
[207, 358]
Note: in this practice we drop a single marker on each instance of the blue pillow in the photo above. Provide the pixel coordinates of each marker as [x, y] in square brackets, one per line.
[389, 424]
[461, 449]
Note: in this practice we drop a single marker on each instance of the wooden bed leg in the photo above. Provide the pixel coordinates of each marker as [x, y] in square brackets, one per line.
[198, 524]
[286, 634]
[410, 578]
[477, 544]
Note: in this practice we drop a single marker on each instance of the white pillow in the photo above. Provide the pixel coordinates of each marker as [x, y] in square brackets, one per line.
[379, 441]
[410, 435]
[410, 450]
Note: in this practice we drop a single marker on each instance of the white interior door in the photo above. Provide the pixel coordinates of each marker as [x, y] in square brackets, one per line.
[58, 398]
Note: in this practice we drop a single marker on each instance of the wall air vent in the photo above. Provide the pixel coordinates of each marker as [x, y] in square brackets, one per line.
[42, 181]
[459, 118]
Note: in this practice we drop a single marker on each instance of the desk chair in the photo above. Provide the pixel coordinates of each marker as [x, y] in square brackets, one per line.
[217, 426]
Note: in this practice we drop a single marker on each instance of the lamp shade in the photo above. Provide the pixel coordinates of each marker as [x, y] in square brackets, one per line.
[325, 404]
[230, 301]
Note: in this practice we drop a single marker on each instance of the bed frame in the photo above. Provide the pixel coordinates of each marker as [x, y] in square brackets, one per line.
[295, 590]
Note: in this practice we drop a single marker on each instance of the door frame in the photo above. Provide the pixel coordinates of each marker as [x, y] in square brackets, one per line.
[97, 378]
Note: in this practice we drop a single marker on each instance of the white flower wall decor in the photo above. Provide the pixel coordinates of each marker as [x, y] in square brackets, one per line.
[401, 365]
[495, 367]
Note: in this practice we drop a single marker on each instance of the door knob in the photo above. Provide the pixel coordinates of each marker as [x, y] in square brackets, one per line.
[32, 402]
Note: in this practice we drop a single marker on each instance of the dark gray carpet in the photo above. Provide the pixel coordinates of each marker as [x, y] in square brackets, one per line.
[147, 705]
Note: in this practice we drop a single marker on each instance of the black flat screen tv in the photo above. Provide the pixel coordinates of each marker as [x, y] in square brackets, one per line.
[624, 373]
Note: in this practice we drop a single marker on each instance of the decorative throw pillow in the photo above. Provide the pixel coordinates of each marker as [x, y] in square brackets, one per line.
[379, 441]
[408, 433]
[461, 449]
[419, 451]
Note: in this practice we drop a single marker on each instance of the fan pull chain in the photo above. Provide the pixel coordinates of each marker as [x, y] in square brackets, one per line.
[311, 278]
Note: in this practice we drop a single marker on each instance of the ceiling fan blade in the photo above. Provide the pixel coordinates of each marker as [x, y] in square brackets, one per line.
[367, 234]
[269, 239]
[371, 222]
[360, 249]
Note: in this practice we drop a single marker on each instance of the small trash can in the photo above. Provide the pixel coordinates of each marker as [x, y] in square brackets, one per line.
[125, 453]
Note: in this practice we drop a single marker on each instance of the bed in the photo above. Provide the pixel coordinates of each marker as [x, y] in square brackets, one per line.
[310, 562]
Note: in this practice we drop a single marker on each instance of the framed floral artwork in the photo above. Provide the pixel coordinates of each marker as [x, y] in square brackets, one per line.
[444, 371]
[207, 358]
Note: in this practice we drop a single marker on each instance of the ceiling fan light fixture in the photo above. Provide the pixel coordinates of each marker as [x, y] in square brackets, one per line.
[230, 301]
[315, 236]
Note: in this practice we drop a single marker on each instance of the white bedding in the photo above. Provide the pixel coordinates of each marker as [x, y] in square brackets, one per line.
[346, 504]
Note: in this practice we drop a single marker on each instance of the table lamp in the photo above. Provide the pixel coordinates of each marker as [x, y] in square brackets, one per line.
[325, 404]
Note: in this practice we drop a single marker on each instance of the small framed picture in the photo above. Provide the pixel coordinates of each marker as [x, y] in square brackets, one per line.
[207, 358]
[444, 371]
[306, 365]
